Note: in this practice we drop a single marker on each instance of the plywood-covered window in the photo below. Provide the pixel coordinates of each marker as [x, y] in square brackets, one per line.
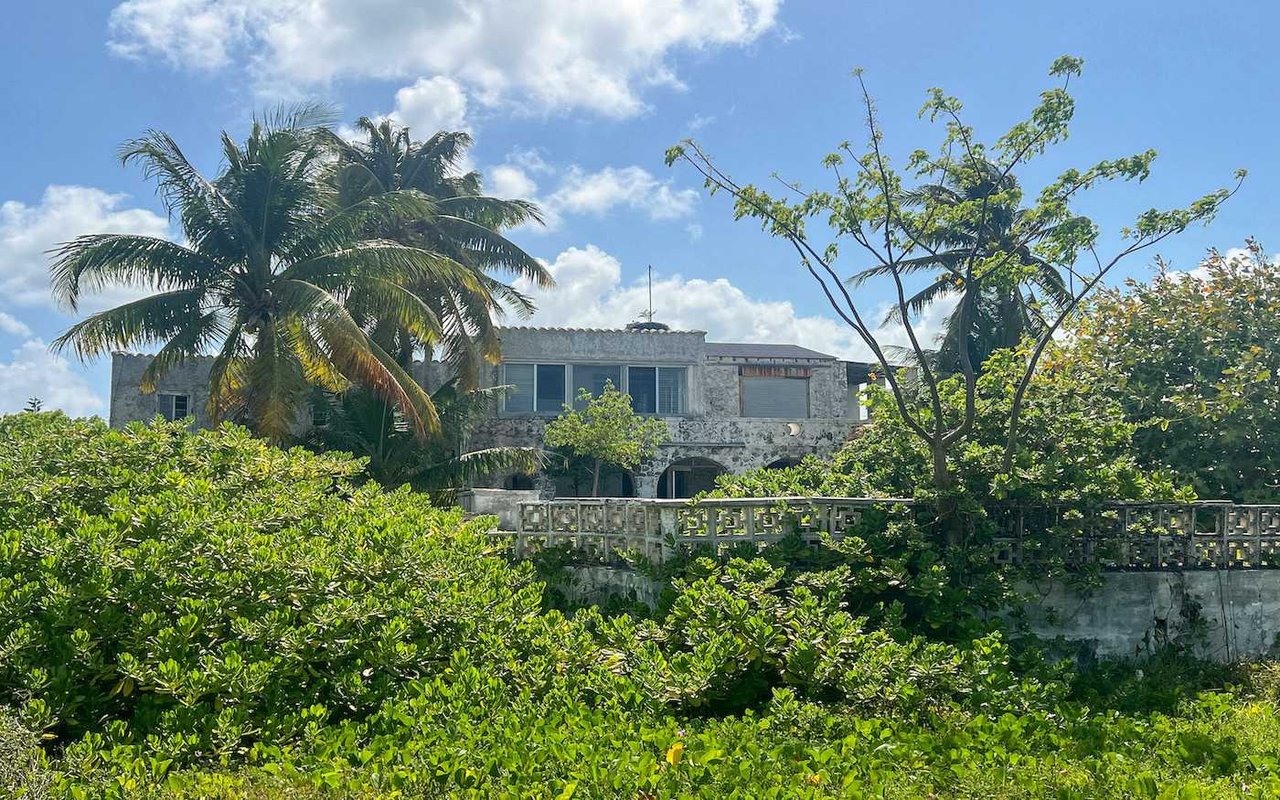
[775, 392]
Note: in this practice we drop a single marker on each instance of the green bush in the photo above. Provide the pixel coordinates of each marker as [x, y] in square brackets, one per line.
[198, 615]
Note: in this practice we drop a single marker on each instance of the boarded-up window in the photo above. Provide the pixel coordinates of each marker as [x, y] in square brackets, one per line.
[779, 392]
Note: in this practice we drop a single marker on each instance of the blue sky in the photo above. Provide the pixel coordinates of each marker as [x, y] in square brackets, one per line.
[572, 103]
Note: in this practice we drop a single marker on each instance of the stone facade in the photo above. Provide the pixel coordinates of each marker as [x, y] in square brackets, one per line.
[708, 434]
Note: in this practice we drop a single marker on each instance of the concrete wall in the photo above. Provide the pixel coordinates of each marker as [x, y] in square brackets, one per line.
[1221, 614]
[501, 503]
[129, 404]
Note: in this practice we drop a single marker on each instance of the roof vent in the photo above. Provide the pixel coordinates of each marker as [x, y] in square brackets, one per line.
[648, 325]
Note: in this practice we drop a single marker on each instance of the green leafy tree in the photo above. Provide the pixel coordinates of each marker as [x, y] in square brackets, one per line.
[1007, 307]
[270, 260]
[465, 224]
[871, 211]
[1193, 360]
[606, 431]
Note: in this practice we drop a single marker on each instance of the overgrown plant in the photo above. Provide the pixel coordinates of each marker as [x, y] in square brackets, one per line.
[871, 211]
[606, 430]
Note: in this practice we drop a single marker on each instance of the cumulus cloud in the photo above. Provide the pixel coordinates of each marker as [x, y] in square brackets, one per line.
[590, 292]
[33, 371]
[12, 325]
[430, 105]
[27, 232]
[595, 194]
[545, 55]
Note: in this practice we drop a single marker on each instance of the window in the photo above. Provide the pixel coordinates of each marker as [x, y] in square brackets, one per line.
[550, 389]
[642, 384]
[536, 388]
[657, 390]
[173, 406]
[519, 398]
[671, 390]
[778, 392]
[593, 378]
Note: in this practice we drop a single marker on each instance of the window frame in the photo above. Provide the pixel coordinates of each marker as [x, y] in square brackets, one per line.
[167, 405]
[570, 385]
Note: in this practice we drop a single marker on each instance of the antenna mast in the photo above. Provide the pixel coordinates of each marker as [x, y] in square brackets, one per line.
[649, 316]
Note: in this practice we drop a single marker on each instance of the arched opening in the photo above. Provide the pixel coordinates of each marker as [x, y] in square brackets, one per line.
[614, 482]
[519, 481]
[687, 477]
[783, 463]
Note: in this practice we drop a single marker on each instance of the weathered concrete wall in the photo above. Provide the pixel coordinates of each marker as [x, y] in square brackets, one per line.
[1221, 614]
[596, 584]
[129, 404]
[501, 503]
[736, 443]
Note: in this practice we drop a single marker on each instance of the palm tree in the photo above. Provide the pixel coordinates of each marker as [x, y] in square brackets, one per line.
[361, 423]
[467, 226]
[271, 259]
[1004, 309]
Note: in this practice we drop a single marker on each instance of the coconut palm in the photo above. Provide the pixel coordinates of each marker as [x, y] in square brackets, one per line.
[270, 261]
[361, 423]
[467, 226]
[1004, 308]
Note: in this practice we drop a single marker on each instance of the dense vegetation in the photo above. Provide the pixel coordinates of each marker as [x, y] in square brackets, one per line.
[200, 614]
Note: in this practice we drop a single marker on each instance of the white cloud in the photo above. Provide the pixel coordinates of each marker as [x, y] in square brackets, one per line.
[596, 194]
[599, 192]
[544, 55]
[430, 105]
[33, 371]
[27, 232]
[12, 325]
[590, 293]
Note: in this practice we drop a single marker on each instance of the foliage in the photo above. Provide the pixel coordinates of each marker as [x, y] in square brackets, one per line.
[269, 264]
[466, 226]
[606, 430]
[872, 210]
[23, 771]
[195, 615]
[203, 591]
[1192, 360]
[360, 423]
[1006, 307]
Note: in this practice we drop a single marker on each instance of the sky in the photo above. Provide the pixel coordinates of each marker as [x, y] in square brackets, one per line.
[572, 104]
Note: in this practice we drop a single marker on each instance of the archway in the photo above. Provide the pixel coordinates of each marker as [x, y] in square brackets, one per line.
[687, 477]
[783, 463]
[519, 481]
[576, 482]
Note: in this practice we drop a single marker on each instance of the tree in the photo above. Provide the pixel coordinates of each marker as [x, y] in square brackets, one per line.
[1193, 359]
[1004, 311]
[606, 431]
[361, 423]
[465, 225]
[869, 211]
[270, 261]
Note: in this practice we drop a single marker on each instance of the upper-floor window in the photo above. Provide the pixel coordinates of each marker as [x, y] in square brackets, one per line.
[173, 406]
[536, 388]
[545, 388]
[657, 390]
[777, 392]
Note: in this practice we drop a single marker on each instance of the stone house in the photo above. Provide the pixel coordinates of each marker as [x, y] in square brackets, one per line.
[730, 407]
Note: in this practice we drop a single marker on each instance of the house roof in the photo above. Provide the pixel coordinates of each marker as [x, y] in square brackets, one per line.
[536, 328]
[750, 350]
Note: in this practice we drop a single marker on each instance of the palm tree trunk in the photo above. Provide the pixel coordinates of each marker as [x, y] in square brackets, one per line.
[595, 479]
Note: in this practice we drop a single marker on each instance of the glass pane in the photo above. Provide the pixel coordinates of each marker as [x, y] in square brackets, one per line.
[519, 399]
[179, 406]
[593, 377]
[642, 384]
[550, 388]
[671, 388]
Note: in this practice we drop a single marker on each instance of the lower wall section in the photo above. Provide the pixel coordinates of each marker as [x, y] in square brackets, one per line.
[1225, 615]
